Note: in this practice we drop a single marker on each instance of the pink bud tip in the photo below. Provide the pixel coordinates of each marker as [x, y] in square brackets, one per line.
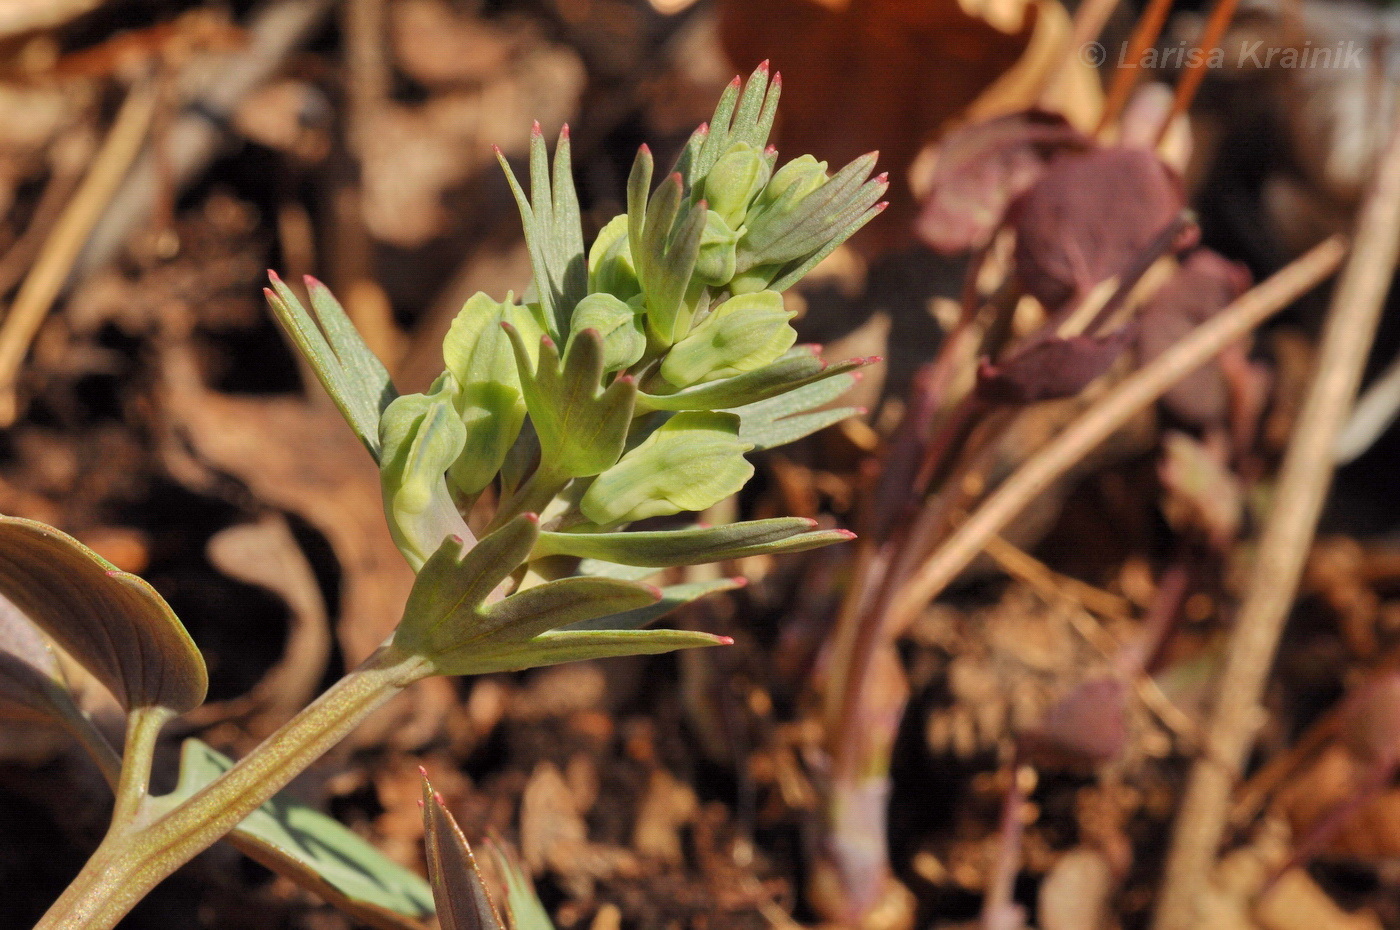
[810, 522]
[458, 540]
[420, 804]
[497, 149]
[274, 276]
[762, 66]
[703, 524]
[816, 347]
[267, 292]
[862, 411]
[739, 581]
[703, 204]
[725, 640]
[423, 771]
[531, 517]
[704, 129]
[880, 207]
[654, 591]
[874, 360]
[676, 176]
[535, 130]
[873, 153]
[437, 796]
[564, 131]
[627, 379]
[547, 341]
[846, 534]
[883, 177]
[737, 82]
[777, 79]
[645, 148]
[771, 150]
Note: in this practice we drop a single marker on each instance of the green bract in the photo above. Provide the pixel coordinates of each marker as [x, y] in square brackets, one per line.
[421, 436]
[742, 334]
[693, 461]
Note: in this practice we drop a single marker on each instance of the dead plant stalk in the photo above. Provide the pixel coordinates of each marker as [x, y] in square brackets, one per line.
[1100, 421]
[1302, 488]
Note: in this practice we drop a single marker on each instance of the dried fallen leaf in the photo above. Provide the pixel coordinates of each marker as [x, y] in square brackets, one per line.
[1075, 893]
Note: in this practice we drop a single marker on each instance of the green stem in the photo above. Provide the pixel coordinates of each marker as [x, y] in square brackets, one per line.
[128, 865]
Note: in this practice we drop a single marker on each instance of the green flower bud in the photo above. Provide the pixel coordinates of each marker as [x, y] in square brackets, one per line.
[797, 179]
[734, 181]
[693, 461]
[488, 401]
[620, 325]
[717, 251]
[420, 436]
[611, 269]
[742, 334]
[755, 279]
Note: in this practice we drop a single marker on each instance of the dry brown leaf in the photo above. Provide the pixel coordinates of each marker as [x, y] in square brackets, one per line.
[667, 806]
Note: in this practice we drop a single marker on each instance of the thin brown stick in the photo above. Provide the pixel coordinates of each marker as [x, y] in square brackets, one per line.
[1108, 415]
[1127, 74]
[46, 279]
[1190, 82]
[1283, 548]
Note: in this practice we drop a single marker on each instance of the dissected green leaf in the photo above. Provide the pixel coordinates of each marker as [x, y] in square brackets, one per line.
[663, 232]
[112, 622]
[561, 603]
[572, 646]
[582, 426]
[314, 850]
[745, 119]
[793, 415]
[443, 608]
[463, 902]
[664, 548]
[610, 266]
[798, 368]
[694, 460]
[673, 597]
[553, 230]
[354, 377]
[421, 436]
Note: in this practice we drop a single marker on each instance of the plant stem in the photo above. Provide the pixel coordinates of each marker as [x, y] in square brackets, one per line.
[1099, 422]
[1284, 546]
[999, 908]
[127, 866]
[143, 728]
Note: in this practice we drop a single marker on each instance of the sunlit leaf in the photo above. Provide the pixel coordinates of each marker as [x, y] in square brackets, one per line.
[114, 624]
[673, 597]
[354, 376]
[314, 850]
[664, 548]
[572, 646]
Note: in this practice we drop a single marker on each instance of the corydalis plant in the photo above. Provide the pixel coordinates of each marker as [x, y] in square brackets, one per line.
[630, 381]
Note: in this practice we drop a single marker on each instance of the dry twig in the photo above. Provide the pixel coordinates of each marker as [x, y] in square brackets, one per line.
[1109, 414]
[1283, 548]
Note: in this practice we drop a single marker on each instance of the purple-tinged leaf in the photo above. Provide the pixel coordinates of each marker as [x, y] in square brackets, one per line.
[112, 623]
[463, 902]
[1088, 216]
[982, 168]
[1050, 367]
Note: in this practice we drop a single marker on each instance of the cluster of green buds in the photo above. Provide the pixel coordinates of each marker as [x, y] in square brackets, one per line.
[629, 381]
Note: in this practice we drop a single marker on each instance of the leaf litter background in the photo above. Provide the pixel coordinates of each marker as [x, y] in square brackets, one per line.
[161, 419]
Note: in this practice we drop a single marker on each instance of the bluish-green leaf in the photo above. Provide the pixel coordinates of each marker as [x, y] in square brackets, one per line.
[673, 597]
[798, 368]
[522, 905]
[582, 426]
[664, 548]
[573, 646]
[314, 850]
[561, 603]
[354, 377]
